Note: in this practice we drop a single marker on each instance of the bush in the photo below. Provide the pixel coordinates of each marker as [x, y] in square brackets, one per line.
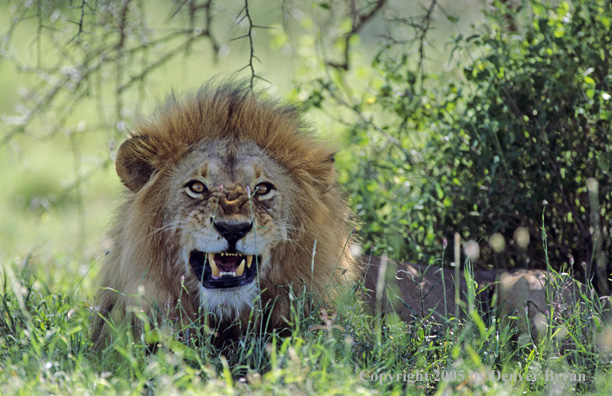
[535, 129]
[510, 146]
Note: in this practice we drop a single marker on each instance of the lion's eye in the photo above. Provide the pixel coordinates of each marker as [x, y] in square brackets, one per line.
[195, 188]
[263, 189]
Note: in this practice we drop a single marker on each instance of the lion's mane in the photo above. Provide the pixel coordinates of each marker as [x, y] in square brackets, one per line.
[145, 272]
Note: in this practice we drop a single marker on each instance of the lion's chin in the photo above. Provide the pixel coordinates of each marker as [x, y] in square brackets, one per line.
[224, 270]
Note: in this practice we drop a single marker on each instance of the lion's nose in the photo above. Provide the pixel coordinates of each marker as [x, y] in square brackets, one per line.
[233, 232]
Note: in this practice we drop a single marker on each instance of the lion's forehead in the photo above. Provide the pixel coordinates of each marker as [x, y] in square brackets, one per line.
[230, 165]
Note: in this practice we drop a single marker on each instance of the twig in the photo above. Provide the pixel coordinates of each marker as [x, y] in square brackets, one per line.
[359, 20]
[249, 35]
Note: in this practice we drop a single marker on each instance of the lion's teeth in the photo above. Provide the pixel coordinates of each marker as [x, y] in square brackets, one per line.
[217, 273]
[213, 265]
[240, 269]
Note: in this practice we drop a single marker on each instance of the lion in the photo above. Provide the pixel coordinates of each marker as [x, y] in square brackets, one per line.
[524, 299]
[231, 201]
[413, 291]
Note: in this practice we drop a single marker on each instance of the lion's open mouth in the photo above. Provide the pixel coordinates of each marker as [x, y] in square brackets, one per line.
[223, 270]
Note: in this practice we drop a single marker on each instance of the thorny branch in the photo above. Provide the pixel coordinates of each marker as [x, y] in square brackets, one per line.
[85, 46]
[359, 20]
[422, 25]
[87, 55]
[249, 36]
[79, 23]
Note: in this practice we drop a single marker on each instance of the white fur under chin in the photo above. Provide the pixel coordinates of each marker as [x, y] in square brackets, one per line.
[228, 303]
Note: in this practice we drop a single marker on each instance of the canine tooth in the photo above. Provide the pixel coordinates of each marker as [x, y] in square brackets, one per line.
[240, 269]
[213, 265]
[249, 260]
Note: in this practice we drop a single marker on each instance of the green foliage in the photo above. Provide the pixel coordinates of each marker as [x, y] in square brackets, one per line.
[519, 136]
[535, 128]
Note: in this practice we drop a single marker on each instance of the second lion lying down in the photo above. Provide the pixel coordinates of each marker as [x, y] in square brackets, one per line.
[413, 291]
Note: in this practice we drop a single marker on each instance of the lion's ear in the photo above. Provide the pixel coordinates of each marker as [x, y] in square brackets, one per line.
[326, 174]
[134, 163]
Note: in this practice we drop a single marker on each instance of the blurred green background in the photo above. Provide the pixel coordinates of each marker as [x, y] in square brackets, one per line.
[482, 118]
[56, 157]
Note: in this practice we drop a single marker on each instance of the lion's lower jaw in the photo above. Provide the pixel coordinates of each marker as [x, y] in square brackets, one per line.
[228, 304]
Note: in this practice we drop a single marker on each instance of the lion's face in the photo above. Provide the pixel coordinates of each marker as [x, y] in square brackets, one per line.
[230, 210]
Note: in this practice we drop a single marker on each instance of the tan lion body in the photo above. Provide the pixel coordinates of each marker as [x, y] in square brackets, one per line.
[416, 291]
[223, 186]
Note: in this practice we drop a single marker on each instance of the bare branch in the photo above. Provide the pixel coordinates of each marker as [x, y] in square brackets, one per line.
[79, 23]
[359, 20]
[249, 35]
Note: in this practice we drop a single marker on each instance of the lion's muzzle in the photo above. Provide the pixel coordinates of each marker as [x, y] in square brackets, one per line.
[233, 232]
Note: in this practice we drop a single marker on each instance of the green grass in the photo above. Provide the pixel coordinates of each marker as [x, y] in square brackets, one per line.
[45, 349]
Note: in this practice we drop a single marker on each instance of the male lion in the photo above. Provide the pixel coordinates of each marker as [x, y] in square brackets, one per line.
[230, 198]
